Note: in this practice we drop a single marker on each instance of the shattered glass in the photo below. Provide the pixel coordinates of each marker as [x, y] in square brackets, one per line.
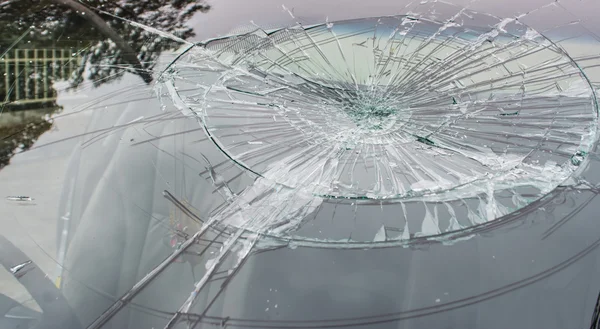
[400, 165]
[393, 109]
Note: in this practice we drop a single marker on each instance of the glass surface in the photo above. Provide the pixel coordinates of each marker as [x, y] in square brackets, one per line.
[298, 164]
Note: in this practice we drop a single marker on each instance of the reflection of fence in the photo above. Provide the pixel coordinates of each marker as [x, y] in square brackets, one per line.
[29, 73]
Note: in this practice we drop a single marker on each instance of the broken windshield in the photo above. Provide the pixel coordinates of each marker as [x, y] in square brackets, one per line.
[182, 164]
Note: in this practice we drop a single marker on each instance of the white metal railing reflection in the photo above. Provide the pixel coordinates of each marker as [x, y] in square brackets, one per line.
[29, 73]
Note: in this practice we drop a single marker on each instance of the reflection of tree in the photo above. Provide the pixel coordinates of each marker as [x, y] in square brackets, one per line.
[40, 40]
[52, 24]
[21, 134]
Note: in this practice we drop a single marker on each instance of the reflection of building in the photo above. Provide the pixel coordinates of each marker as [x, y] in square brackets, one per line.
[29, 73]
